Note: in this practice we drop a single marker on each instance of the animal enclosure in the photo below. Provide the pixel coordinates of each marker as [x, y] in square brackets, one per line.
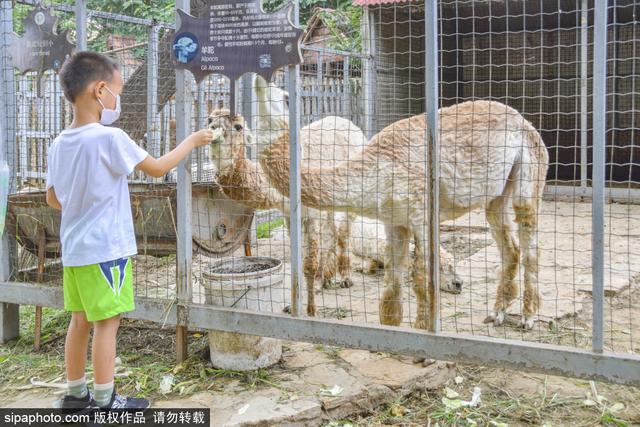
[529, 257]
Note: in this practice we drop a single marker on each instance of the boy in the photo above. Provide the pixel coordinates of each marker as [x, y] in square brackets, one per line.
[87, 169]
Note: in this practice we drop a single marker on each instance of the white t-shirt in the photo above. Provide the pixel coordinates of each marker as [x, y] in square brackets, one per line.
[88, 168]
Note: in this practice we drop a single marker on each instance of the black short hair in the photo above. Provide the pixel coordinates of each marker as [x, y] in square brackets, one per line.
[82, 68]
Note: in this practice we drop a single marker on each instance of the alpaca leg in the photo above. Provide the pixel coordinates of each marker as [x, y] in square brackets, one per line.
[396, 251]
[419, 279]
[310, 262]
[507, 291]
[328, 257]
[342, 239]
[529, 185]
[527, 218]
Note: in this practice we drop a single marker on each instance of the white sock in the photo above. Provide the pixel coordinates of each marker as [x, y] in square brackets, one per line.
[78, 388]
[102, 393]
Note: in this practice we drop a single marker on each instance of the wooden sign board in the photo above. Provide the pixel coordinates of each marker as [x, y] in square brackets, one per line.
[234, 37]
[40, 48]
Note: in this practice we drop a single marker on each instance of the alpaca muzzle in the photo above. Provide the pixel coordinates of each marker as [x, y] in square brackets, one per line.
[218, 136]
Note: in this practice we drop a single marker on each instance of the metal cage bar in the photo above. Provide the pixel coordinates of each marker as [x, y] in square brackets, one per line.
[153, 136]
[9, 313]
[599, 161]
[432, 243]
[295, 204]
[184, 256]
[81, 24]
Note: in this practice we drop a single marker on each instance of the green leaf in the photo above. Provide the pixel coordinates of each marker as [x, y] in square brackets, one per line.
[451, 404]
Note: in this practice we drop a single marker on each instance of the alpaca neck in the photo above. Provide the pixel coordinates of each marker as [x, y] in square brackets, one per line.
[269, 129]
[245, 182]
[321, 188]
[272, 119]
[273, 114]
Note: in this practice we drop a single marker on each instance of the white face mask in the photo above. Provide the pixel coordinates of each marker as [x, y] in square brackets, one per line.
[108, 116]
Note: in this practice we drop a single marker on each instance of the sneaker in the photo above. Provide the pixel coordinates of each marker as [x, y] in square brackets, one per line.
[70, 404]
[119, 401]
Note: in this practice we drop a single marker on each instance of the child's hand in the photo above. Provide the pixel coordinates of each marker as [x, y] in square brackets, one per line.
[202, 137]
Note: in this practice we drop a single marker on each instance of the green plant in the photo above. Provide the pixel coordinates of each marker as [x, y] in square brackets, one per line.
[264, 230]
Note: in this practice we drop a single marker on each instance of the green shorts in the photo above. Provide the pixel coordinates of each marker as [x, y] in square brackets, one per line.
[100, 290]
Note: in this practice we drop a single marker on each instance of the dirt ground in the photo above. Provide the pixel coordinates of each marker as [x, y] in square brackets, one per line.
[564, 281]
[513, 399]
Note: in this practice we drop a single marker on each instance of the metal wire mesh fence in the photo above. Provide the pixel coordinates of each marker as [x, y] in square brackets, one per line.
[534, 59]
[35, 113]
[516, 163]
[537, 59]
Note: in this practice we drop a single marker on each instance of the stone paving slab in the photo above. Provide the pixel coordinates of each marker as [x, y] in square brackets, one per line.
[367, 381]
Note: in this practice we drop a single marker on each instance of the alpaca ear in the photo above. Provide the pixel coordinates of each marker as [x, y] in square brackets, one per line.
[209, 121]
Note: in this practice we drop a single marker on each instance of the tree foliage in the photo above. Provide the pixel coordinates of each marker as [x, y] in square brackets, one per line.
[99, 28]
[344, 24]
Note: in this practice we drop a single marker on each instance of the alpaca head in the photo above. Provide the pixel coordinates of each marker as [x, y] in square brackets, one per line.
[225, 150]
[450, 281]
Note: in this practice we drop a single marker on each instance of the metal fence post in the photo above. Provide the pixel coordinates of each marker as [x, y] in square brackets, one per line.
[346, 89]
[584, 97]
[598, 179]
[294, 182]
[9, 313]
[153, 137]
[368, 71]
[201, 118]
[248, 109]
[81, 25]
[319, 88]
[432, 245]
[183, 127]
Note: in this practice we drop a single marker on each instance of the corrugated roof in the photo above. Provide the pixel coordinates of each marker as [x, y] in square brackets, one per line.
[377, 2]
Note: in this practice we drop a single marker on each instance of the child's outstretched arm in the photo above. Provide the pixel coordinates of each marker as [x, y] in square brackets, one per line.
[159, 167]
[52, 199]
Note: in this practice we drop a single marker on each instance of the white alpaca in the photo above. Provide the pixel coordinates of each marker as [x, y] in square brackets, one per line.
[489, 154]
[368, 241]
[327, 141]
